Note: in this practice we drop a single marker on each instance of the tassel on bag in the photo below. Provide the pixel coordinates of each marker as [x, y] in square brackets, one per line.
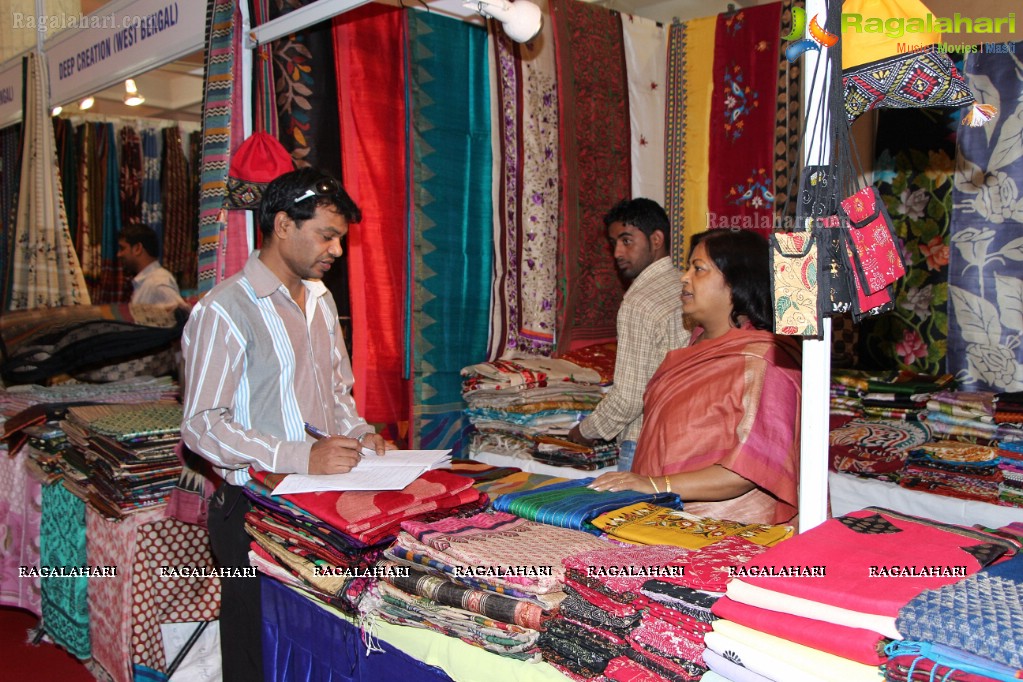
[979, 114]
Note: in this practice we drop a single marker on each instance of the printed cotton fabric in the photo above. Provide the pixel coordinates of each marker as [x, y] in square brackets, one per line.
[653, 525]
[982, 614]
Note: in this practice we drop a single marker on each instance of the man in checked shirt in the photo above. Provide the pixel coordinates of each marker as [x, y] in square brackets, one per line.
[649, 322]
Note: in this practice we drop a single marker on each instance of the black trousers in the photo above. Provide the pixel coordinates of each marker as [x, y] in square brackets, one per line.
[241, 622]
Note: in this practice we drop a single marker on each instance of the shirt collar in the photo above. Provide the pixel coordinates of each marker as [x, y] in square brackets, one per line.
[265, 282]
[146, 272]
[659, 266]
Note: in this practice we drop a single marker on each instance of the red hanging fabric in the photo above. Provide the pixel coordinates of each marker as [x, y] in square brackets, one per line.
[374, 152]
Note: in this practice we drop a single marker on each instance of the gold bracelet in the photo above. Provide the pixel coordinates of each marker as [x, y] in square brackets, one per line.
[667, 483]
[654, 485]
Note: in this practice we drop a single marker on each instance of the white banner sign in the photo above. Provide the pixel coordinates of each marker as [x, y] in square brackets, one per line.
[120, 40]
[10, 93]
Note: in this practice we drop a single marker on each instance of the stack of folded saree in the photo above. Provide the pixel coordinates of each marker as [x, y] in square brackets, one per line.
[491, 579]
[956, 469]
[1008, 408]
[971, 629]
[1010, 489]
[649, 524]
[45, 448]
[126, 452]
[837, 590]
[573, 505]
[562, 452]
[875, 448]
[512, 402]
[884, 395]
[327, 543]
[651, 604]
[967, 415]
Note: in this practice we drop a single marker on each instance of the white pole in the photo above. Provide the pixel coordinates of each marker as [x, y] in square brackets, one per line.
[813, 462]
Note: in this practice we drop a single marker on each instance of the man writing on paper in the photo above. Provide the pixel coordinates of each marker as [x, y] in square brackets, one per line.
[263, 356]
[649, 322]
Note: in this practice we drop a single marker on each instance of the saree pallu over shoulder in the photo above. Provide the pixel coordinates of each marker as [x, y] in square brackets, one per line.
[731, 401]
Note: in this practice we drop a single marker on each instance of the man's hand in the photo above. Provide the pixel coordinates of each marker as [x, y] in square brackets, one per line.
[374, 441]
[576, 436]
[334, 455]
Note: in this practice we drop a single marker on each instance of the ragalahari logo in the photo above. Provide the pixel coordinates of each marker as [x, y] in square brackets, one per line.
[818, 36]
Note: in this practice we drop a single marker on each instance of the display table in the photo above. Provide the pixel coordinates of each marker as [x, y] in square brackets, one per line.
[126, 611]
[850, 493]
[304, 639]
[533, 467]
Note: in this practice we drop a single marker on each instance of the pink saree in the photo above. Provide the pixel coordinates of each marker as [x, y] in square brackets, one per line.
[731, 401]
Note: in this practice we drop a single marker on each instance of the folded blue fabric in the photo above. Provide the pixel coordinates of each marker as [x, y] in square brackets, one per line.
[945, 657]
[572, 505]
[981, 614]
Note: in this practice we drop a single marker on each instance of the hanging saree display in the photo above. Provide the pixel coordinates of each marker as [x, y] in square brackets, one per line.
[528, 196]
[375, 150]
[985, 290]
[450, 258]
[595, 167]
[44, 266]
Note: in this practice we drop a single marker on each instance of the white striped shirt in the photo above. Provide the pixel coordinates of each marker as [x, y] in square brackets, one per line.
[257, 367]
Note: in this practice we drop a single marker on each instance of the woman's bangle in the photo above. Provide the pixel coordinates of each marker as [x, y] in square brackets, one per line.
[667, 484]
[652, 484]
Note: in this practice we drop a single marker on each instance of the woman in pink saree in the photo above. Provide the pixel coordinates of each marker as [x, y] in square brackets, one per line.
[721, 416]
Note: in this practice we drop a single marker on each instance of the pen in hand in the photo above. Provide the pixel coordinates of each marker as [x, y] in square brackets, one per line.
[319, 435]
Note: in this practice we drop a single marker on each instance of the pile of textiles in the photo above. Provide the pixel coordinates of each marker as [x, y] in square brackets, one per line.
[563, 452]
[648, 524]
[572, 504]
[955, 469]
[883, 395]
[327, 543]
[875, 448]
[1008, 414]
[491, 579]
[122, 456]
[23, 406]
[967, 415]
[1008, 408]
[1010, 489]
[42, 343]
[968, 630]
[640, 612]
[45, 448]
[511, 402]
[835, 592]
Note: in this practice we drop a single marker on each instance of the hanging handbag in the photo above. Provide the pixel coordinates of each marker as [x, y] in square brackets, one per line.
[794, 282]
[834, 274]
[877, 259]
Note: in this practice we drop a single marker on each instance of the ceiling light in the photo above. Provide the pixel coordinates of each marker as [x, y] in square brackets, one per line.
[522, 20]
[132, 96]
[86, 103]
[56, 111]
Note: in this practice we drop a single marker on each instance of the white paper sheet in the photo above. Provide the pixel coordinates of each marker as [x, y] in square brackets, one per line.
[393, 471]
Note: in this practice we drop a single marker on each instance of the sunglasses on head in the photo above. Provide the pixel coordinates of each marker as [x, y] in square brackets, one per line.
[327, 187]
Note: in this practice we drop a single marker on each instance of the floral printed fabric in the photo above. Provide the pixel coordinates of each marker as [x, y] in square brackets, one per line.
[913, 174]
[986, 291]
